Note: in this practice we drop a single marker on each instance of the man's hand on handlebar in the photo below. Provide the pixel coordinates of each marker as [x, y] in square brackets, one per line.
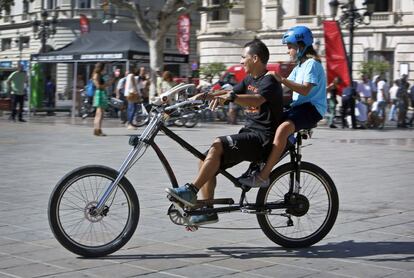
[219, 100]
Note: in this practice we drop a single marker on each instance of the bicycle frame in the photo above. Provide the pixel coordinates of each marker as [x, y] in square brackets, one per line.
[147, 139]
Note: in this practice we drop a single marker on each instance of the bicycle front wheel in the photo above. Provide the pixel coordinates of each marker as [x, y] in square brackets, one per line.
[72, 218]
[312, 212]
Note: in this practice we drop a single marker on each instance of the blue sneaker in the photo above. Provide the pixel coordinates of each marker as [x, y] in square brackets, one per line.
[204, 219]
[185, 194]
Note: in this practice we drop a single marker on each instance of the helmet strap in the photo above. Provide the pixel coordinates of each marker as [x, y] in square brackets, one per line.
[301, 53]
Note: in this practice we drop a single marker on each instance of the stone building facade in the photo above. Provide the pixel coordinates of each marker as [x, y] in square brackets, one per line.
[389, 36]
[17, 26]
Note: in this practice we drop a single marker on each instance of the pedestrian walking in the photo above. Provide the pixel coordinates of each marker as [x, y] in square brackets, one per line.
[133, 95]
[403, 101]
[167, 81]
[50, 92]
[411, 97]
[16, 82]
[332, 93]
[364, 90]
[348, 106]
[120, 94]
[100, 98]
[394, 100]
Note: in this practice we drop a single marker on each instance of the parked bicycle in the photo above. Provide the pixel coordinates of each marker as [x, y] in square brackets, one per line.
[94, 210]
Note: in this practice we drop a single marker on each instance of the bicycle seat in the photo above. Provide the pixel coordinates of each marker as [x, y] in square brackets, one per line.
[304, 133]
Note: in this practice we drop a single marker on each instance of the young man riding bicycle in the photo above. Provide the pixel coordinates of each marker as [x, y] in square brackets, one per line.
[262, 97]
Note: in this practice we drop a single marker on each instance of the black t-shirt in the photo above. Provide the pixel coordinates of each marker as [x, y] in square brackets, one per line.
[266, 118]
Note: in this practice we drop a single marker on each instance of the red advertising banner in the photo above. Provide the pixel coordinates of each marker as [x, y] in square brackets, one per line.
[336, 58]
[183, 34]
[84, 24]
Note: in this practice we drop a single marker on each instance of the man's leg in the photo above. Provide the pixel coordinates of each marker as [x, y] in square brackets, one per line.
[187, 194]
[208, 170]
[14, 106]
[207, 190]
[20, 100]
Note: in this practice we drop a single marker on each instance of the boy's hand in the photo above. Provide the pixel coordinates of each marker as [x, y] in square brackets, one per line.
[276, 76]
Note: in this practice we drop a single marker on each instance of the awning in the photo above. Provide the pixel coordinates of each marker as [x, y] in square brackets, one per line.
[105, 46]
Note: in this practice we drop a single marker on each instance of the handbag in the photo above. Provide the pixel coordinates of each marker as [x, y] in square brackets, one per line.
[133, 97]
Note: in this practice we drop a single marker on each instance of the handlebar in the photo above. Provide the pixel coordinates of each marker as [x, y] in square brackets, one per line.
[187, 103]
[168, 95]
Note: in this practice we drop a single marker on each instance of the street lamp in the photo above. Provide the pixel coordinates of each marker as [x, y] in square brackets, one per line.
[44, 28]
[352, 18]
[19, 42]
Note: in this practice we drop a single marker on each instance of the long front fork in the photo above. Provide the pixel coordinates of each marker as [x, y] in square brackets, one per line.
[148, 132]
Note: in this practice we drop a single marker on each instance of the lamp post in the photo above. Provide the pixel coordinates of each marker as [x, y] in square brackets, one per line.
[352, 17]
[19, 42]
[44, 28]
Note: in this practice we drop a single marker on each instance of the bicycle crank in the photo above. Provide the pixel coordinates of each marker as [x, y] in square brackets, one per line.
[178, 219]
[176, 215]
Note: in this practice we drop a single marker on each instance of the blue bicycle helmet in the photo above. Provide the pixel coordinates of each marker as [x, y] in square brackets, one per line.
[298, 34]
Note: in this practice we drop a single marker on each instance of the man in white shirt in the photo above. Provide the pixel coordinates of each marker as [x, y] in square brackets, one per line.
[382, 99]
[365, 89]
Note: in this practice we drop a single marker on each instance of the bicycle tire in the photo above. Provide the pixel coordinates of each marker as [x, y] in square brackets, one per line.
[191, 120]
[140, 120]
[71, 195]
[275, 232]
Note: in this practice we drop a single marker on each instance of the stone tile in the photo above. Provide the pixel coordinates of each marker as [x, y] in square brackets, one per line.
[33, 270]
[372, 237]
[113, 270]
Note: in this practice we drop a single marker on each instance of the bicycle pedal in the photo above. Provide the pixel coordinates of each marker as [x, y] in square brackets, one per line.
[191, 228]
[174, 200]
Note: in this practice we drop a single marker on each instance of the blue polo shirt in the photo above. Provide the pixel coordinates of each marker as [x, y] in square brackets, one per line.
[310, 71]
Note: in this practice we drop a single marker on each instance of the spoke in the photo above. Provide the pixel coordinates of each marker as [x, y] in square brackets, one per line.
[316, 193]
[70, 193]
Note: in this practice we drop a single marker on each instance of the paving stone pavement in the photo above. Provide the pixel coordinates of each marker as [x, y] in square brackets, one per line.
[373, 235]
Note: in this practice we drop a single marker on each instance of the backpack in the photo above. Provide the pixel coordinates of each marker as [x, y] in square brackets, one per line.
[90, 88]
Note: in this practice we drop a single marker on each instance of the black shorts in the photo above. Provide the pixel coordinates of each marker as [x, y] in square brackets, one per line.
[304, 116]
[244, 146]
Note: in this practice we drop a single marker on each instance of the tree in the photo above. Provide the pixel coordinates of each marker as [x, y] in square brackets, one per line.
[373, 67]
[212, 69]
[5, 5]
[154, 29]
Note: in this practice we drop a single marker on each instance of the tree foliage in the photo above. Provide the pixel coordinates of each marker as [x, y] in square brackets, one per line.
[212, 69]
[5, 5]
[370, 68]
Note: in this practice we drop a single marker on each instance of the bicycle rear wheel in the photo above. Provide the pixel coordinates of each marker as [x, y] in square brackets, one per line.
[191, 119]
[313, 212]
[71, 215]
[141, 117]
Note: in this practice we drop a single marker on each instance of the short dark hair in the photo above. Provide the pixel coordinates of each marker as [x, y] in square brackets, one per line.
[257, 47]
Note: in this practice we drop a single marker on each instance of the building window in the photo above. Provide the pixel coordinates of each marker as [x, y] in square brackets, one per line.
[221, 13]
[50, 4]
[383, 5]
[25, 6]
[25, 42]
[168, 43]
[84, 4]
[5, 44]
[307, 7]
